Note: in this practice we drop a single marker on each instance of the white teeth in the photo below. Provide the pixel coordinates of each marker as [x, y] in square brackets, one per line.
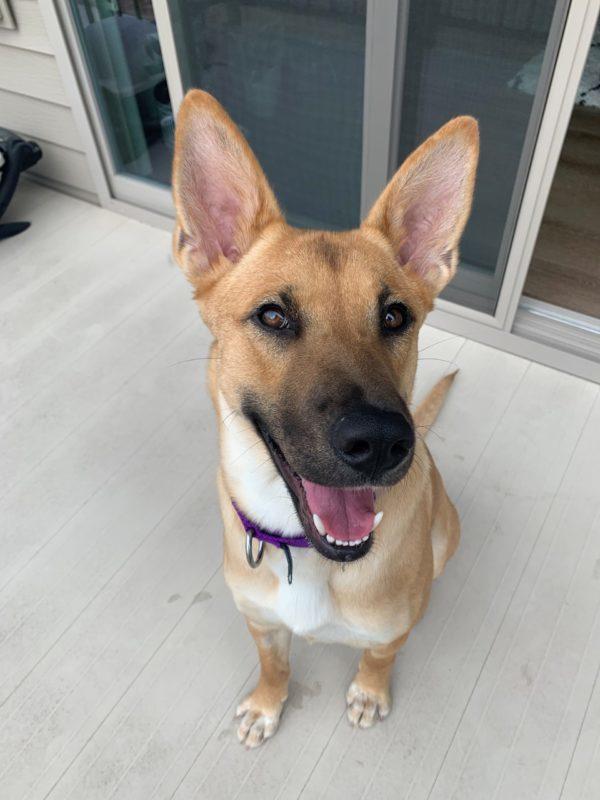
[356, 542]
[343, 543]
[319, 524]
[378, 518]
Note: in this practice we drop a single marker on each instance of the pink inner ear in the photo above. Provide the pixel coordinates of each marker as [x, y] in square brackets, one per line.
[223, 218]
[432, 202]
[426, 226]
[213, 187]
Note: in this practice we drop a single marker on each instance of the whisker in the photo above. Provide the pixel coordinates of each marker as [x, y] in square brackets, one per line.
[231, 413]
[262, 463]
[247, 450]
[444, 360]
[198, 358]
[245, 430]
[430, 429]
[441, 341]
[420, 463]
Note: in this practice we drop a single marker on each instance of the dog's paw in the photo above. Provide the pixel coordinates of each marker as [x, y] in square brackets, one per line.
[365, 707]
[256, 725]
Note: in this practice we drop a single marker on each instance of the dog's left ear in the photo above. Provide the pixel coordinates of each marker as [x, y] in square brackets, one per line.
[425, 207]
[222, 197]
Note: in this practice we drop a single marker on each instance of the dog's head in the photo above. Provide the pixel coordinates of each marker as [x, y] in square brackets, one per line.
[317, 331]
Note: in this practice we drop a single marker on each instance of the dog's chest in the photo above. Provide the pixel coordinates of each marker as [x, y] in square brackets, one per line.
[309, 607]
[306, 606]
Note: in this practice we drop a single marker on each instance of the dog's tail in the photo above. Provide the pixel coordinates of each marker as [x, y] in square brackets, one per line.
[426, 412]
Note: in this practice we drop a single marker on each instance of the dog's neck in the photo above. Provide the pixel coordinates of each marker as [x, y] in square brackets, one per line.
[251, 476]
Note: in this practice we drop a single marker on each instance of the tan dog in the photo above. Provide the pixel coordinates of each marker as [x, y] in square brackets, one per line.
[311, 375]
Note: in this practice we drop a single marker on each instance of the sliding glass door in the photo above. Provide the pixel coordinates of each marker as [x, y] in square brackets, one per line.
[295, 77]
[493, 60]
[122, 50]
[332, 95]
[291, 76]
[119, 50]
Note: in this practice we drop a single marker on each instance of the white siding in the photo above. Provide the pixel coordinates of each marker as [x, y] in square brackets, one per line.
[31, 32]
[33, 101]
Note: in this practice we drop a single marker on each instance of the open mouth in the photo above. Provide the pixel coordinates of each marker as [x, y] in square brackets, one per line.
[338, 522]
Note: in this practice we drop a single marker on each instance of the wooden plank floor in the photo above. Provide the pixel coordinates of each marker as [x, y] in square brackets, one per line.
[564, 268]
[122, 656]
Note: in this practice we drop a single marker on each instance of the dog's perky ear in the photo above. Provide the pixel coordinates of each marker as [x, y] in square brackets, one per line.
[222, 197]
[424, 208]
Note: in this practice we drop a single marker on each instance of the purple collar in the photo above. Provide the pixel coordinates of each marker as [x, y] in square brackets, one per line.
[253, 531]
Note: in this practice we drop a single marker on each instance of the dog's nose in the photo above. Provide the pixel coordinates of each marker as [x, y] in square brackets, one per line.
[373, 441]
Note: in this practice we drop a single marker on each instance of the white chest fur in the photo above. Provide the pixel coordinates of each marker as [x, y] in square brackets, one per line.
[307, 606]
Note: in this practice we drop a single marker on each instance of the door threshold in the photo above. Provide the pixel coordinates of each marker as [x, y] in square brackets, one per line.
[567, 330]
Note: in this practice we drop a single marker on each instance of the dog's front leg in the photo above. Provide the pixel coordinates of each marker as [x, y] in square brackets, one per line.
[261, 710]
[368, 697]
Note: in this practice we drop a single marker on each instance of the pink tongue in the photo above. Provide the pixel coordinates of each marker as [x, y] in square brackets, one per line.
[347, 514]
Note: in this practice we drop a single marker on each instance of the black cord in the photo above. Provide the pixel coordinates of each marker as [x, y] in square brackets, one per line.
[290, 565]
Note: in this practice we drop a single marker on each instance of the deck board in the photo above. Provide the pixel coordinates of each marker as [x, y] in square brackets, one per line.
[122, 657]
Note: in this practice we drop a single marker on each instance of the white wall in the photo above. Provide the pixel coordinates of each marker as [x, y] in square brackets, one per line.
[34, 104]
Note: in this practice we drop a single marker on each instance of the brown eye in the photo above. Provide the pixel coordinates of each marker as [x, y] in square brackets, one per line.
[273, 317]
[395, 318]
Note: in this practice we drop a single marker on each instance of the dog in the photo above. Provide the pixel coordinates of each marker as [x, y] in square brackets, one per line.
[311, 374]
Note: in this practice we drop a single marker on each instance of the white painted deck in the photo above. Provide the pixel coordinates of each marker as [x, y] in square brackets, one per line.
[122, 656]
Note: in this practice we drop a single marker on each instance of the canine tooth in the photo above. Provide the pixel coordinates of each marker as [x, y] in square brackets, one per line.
[378, 518]
[330, 539]
[364, 538]
[319, 524]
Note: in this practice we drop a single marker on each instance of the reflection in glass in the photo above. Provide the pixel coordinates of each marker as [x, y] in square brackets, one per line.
[290, 73]
[121, 47]
[484, 59]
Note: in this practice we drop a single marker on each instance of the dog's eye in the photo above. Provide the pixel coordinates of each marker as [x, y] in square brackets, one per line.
[395, 318]
[273, 317]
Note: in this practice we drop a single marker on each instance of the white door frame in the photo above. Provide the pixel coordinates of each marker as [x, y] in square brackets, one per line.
[572, 55]
[385, 26]
[378, 98]
[497, 330]
[169, 52]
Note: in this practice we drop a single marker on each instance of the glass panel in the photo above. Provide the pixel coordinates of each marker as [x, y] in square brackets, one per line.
[485, 59]
[122, 51]
[290, 73]
[565, 266]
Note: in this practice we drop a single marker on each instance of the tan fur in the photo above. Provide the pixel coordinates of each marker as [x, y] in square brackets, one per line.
[260, 711]
[427, 411]
[337, 277]
[368, 696]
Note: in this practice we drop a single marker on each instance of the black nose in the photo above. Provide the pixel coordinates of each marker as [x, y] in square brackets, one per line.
[373, 441]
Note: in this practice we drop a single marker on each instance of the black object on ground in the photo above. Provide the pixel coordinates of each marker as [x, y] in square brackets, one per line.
[16, 155]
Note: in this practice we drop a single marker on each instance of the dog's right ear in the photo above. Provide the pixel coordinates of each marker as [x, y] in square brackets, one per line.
[222, 198]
